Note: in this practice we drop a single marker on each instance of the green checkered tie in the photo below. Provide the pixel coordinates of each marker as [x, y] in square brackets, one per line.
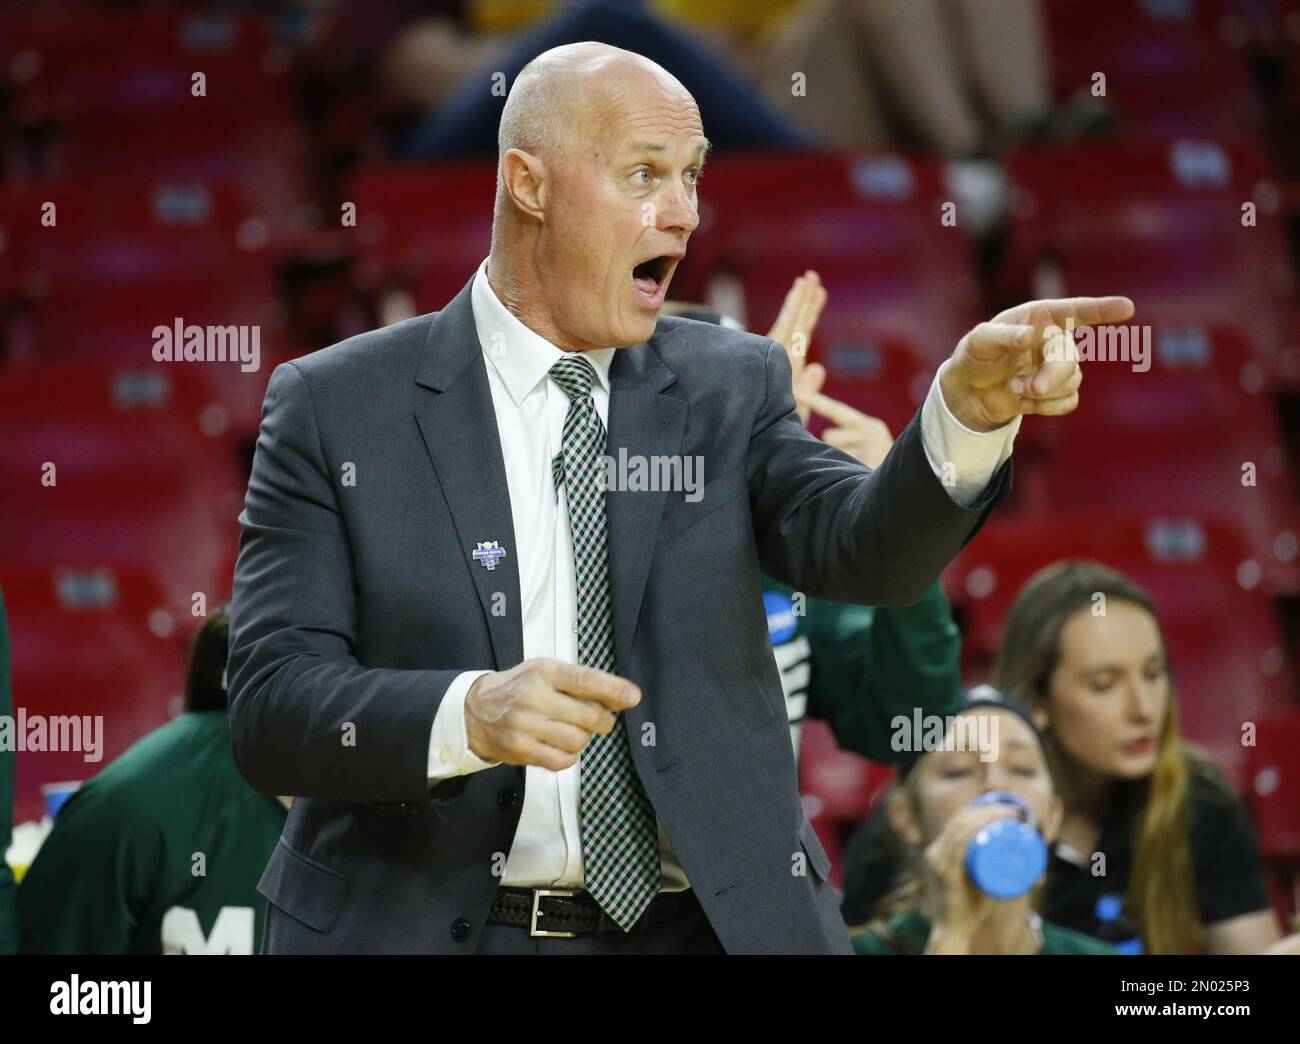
[620, 841]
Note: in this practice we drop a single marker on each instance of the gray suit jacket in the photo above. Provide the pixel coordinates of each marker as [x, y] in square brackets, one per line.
[356, 602]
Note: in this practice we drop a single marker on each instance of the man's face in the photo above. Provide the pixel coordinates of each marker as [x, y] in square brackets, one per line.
[622, 209]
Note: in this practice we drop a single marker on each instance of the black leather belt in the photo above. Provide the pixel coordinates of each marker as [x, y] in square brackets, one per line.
[567, 912]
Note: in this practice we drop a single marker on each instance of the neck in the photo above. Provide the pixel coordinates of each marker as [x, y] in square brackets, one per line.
[1009, 933]
[1087, 794]
[518, 292]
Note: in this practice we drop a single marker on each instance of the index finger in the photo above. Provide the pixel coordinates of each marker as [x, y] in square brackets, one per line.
[1089, 311]
[591, 683]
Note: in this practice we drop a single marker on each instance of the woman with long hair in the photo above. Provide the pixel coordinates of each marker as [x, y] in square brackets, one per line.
[1151, 828]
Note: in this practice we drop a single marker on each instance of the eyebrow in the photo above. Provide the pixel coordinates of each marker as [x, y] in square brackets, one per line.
[653, 146]
[1100, 668]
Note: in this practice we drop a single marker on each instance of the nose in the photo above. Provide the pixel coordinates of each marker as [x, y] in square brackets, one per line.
[677, 211]
[1143, 699]
[994, 777]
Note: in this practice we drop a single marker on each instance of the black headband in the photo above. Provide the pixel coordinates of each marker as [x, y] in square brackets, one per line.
[972, 699]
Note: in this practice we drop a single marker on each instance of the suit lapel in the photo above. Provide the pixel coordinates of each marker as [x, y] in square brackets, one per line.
[642, 422]
[458, 424]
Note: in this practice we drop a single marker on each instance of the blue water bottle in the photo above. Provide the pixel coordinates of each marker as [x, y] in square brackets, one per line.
[1008, 855]
[1114, 927]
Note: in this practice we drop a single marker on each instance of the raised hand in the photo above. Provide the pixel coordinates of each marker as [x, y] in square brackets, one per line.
[793, 330]
[1022, 361]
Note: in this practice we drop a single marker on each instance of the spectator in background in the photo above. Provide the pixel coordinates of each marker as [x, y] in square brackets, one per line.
[961, 78]
[935, 906]
[8, 907]
[854, 666]
[162, 851]
[466, 122]
[1178, 845]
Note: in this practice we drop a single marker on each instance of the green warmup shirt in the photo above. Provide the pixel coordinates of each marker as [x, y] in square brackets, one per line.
[8, 904]
[159, 853]
[856, 667]
[909, 933]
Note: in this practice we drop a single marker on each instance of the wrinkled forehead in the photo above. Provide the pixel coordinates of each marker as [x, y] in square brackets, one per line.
[638, 108]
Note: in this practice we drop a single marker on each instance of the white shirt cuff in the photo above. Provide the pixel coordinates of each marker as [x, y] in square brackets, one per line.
[449, 753]
[963, 460]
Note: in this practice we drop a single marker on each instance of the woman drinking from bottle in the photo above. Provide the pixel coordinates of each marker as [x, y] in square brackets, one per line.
[975, 820]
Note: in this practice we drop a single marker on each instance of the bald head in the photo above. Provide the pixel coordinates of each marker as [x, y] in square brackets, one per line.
[599, 149]
[555, 96]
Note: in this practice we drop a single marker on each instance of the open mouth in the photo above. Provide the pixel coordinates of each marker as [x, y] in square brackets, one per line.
[651, 278]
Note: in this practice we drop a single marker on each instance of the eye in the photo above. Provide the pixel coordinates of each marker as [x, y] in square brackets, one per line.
[638, 173]
[695, 175]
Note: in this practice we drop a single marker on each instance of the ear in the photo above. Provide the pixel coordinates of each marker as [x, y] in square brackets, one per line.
[524, 176]
[1042, 719]
[902, 820]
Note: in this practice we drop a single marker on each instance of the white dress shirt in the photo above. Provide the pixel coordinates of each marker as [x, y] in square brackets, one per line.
[530, 410]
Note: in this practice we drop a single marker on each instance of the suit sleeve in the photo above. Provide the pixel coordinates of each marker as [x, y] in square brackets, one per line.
[833, 528]
[870, 665]
[306, 719]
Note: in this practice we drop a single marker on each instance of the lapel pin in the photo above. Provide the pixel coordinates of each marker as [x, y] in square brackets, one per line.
[488, 553]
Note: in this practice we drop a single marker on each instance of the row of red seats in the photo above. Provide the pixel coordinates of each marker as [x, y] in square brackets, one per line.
[132, 465]
[89, 268]
[96, 640]
[158, 92]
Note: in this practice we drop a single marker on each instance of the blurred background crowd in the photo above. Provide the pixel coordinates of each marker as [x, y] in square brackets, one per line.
[302, 171]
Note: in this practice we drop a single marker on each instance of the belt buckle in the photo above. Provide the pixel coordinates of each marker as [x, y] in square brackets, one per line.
[533, 930]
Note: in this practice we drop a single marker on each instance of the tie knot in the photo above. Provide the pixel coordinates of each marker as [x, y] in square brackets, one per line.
[574, 374]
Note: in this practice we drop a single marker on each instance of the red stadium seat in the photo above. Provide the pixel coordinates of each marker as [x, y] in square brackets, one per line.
[837, 784]
[884, 377]
[1222, 635]
[83, 60]
[1170, 431]
[124, 259]
[89, 642]
[1154, 54]
[1273, 766]
[870, 225]
[425, 228]
[144, 473]
[1163, 224]
[117, 87]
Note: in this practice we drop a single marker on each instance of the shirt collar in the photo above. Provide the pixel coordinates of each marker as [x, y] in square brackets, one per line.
[524, 357]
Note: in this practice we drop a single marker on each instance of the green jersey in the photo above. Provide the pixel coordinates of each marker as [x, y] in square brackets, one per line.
[857, 666]
[159, 853]
[910, 933]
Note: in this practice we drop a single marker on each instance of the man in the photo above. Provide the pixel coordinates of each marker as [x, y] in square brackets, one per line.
[487, 678]
[160, 853]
